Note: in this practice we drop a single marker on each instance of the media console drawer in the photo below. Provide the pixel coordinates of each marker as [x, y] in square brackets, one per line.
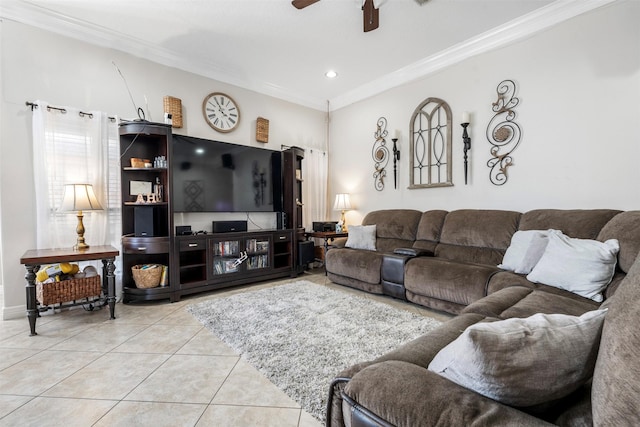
[145, 245]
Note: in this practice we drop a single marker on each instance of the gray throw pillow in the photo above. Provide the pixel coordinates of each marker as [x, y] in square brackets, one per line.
[524, 362]
[525, 250]
[362, 237]
[584, 267]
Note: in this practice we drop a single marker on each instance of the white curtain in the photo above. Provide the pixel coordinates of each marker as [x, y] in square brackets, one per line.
[314, 186]
[74, 147]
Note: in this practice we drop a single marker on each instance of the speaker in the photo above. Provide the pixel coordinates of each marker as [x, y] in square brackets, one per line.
[228, 226]
[305, 252]
[281, 220]
[144, 221]
[183, 230]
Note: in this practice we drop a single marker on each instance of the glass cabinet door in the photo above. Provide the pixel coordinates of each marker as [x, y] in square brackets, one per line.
[226, 257]
[257, 251]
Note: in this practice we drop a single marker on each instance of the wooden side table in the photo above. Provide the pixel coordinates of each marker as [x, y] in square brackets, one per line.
[327, 236]
[34, 258]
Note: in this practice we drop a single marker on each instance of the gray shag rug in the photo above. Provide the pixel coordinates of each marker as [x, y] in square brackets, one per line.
[301, 334]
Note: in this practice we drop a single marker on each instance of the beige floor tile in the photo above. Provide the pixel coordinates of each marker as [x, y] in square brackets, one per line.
[127, 414]
[159, 339]
[102, 337]
[205, 343]
[144, 313]
[34, 375]
[11, 356]
[112, 376]
[247, 386]
[180, 317]
[48, 334]
[10, 403]
[44, 411]
[185, 379]
[244, 416]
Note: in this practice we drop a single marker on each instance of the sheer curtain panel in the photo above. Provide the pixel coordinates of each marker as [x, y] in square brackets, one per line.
[314, 187]
[75, 147]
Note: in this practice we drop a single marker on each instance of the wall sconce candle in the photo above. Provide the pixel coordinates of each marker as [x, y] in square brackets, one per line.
[466, 140]
[396, 158]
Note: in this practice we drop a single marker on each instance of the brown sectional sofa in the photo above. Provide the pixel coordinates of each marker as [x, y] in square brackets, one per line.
[457, 272]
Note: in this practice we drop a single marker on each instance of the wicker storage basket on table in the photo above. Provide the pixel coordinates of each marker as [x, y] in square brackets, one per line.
[68, 290]
[146, 277]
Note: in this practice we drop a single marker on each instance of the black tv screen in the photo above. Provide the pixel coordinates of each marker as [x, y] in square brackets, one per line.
[214, 176]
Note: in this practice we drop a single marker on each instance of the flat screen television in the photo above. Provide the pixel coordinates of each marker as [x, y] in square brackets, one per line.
[214, 176]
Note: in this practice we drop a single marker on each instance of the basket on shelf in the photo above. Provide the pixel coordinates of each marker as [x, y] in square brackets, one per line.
[173, 106]
[147, 276]
[68, 290]
[139, 163]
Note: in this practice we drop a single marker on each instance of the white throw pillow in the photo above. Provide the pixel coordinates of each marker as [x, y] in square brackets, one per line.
[524, 362]
[584, 267]
[525, 250]
[362, 237]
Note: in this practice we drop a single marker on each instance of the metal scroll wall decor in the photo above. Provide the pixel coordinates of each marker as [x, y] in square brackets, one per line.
[503, 132]
[380, 153]
[430, 157]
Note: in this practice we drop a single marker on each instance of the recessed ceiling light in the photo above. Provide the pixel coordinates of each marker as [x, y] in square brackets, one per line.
[199, 150]
[331, 74]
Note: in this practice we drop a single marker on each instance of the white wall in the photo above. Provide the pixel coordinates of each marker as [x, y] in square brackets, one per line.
[37, 64]
[579, 90]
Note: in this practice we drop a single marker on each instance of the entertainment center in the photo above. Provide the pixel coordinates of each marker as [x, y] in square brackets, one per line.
[193, 175]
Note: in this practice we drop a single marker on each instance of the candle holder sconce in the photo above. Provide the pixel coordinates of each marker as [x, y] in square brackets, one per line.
[466, 140]
[396, 159]
[503, 132]
[380, 154]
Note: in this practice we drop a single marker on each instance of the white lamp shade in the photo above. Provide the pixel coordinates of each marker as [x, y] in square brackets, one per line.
[79, 197]
[342, 203]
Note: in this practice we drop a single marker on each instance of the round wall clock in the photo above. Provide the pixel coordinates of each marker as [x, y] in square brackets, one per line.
[221, 112]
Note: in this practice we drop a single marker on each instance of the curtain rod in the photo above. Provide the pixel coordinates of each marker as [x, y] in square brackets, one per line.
[33, 106]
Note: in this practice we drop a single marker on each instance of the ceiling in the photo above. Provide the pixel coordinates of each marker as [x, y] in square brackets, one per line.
[271, 47]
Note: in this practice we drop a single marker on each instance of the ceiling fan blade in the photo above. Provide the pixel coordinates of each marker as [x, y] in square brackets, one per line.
[301, 4]
[371, 16]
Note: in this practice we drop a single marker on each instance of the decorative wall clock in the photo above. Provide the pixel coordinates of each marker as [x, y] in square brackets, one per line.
[221, 112]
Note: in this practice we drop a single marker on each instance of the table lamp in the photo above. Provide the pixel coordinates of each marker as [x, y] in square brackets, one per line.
[342, 203]
[78, 198]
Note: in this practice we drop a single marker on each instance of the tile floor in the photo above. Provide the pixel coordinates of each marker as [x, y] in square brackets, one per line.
[154, 365]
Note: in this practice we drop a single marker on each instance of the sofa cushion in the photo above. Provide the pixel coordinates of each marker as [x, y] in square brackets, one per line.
[616, 389]
[396, 228]
[525, 250]
[626, 228]
[524, 362]
[461, 283]
[362, 237]
[578, 265]
[581, 224]
[519, 301]
[429, 229]
[355, 264]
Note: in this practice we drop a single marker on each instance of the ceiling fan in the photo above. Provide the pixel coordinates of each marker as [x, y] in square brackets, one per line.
[370, 12]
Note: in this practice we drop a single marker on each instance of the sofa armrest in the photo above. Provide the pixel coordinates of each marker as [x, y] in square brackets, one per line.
[403, 394]
[412, 252]
[338, 242]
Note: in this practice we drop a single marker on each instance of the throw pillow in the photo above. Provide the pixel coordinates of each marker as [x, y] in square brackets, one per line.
[362, 237]
[525, 250]
[524, 362]
[581, 266]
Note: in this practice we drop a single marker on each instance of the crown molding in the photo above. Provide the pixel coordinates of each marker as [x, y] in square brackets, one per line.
[517, 29]
[513, 31]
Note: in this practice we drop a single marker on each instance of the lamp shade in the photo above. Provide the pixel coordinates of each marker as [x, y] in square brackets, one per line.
[342, 203]
[79, 197]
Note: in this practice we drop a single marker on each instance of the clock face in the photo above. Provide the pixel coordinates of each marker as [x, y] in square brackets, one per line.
[221, 112]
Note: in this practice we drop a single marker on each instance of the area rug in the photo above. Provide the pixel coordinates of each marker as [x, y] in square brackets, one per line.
[301, 334]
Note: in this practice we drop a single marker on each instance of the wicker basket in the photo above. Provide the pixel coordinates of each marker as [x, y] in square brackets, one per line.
[139, 163]
[173, 106]
[262, 130]
[68, 290]
[148, 277]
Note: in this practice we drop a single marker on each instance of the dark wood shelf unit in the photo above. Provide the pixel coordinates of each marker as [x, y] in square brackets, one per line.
[147, 140]
[293, 198]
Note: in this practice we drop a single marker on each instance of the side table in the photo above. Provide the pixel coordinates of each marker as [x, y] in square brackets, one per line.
[34, 258]
[327, 236]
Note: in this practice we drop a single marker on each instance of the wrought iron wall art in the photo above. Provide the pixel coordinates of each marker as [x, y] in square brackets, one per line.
[380, 153]
[430, 162]
[396, 159]
[503, 132]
